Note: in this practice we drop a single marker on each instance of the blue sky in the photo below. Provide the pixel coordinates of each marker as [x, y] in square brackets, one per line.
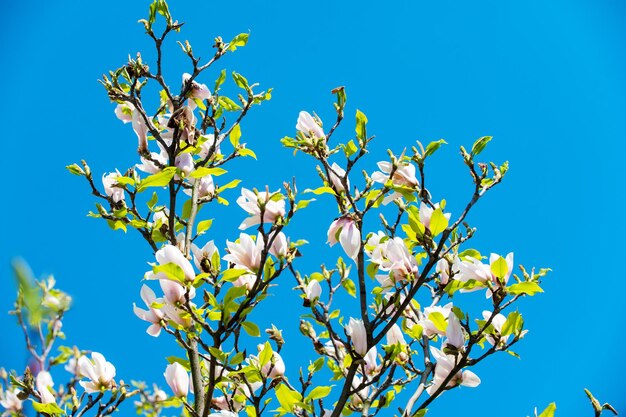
[546, 79]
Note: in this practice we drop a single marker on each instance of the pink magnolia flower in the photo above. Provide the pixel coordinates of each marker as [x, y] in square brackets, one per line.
[455, 335]
[395, 336]
[206, 188]
[172, 254]
[208, 142]
[371, 362]
[151, 315]
[356, 330]
[280, 245]
[428, 326]
[335, 173]
[251, 202]
[403, 176]
[497, 322]
[127, 112]
[111, 187]
[184, 162]
[345, 229]
[43, 383]
[177, 378]
[150, 167]
[198, 91]
[309, 126]
[393, 256]
[443, 368]
[10, 401]
[474, 269]
[246, 254]
[204, 256]
[98, 370]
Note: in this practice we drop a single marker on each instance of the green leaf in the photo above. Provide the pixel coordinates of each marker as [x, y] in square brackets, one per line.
[231, 184]
[438, 222]
[251, 328]
[203, 226]
[153, 200]
[361, 122]
[266, 354]
[234, 136]
[228, 104]
[528, 287]
[171, 270]
[318, 392]
[220, 80]
[31, 294]
[240, 80]
[480, 144]
[303, 203]
[246, 152]
[549, 411]
[204, 171]
[432, 147]
[499, 268]
[321, 190]
[348, 284]
[231, 275]
[49, 409]
[438, 320]
[238, 41]
[160, 179]
[287, 397]
[513, 323]
[350, 149]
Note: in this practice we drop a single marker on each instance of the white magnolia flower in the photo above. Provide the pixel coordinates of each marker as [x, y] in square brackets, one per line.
[403, 176]
[150, 167]
[198, 91]
[177, 378]
[44, 383]
[98, 370]
[208, 142]
[10, 401]
[251, 202]
[204, 256]
[172, 254]
[151, 315]
[345, 231]
[313, 290]
[426, 322]
[245, 254]
[443, 368]
[280, 245]
[497, 322]
[111, 187]
[455, 335]
[184, 162]
[127, 112]
[392, 256]
[309, 126]
[395, 336]
[335, 174]
[356, 330]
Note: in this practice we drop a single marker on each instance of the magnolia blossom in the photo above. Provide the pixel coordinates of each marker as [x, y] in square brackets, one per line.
[111, 187]
[246, 254]
[444, 269]
[178, 316]
[127, 112]
[206, 187]
[208, 142]
[72, 366]
[313, 290]
[498, 322]
[426, 212]
[98, 370]
[172, 254]
[443, 368]
[335, 174]
[184, 162]
[345, 229]
[230, 401]
[395, 336]
[429, 328]
[403, 176]
[10, 401]
[177, 378]
[43, 383]
[275, 367]
[474, 269]
[153, 165]
[392, 255]
[371, 362]
[280, 245]
[203, 257]
[309, 126]
[198, 91]
[362, 394]
[356, 330]
[151, 315]
[252, 202]
[455, 335]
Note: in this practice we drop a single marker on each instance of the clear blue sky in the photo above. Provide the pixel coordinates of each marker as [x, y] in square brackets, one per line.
[546, 79]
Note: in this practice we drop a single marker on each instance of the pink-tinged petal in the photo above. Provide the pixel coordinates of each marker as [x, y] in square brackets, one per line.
[350, 239]
[454, 332]
[470, 379]
[154, 330]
